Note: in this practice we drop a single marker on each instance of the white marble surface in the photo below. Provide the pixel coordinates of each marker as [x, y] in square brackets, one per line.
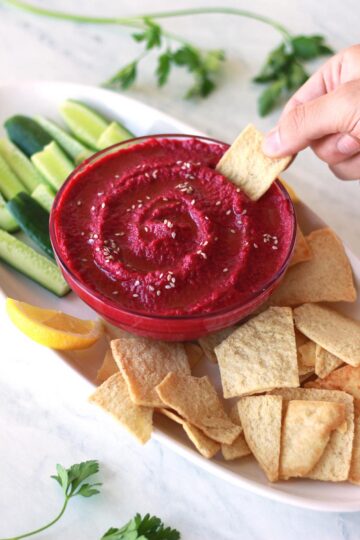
[44, 415]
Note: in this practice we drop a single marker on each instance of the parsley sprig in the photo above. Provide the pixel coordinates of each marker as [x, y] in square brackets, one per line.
[142, 528]
[72, 482]
[283, 72]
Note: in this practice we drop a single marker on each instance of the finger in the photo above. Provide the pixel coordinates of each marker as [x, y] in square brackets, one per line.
[340, 68]
[336, 148]
[338, 111]
[349, 169]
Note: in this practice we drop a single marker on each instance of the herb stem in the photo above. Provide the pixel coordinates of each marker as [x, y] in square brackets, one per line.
[136, 21]
[36, 531]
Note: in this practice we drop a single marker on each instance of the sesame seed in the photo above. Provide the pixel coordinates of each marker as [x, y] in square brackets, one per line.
[146, 229]
[161, 275]
[128, 209]
[205, 243]
[193, 202]
[137, 282]
[93, 208]
[148, 198]
[232, 231]
[103, 205]
[170, 225]
[133, 206]
[135, 295]
[84, 260]
[255, 245]
[139, 200]
[217, 203]
[274, 247]
[173, 279]
[206, 217]
[167, 286]
[119, 234]
[168, 277]
[115, 292]
[100, 193]
[151, 288]
[95, 236]
[140, 205]
[173, 234]
[158, 293]
[228, 212]
[79, 203]
[97, 249]
[238, 190]
[225, 270]
[82, 233]
[165, 199]
[216, 238]
[117, 176]
[244, 212]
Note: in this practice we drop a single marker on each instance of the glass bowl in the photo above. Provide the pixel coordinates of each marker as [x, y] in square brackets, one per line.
[169, 328]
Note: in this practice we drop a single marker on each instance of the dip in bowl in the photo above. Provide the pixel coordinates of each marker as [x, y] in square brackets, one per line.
[159, 243]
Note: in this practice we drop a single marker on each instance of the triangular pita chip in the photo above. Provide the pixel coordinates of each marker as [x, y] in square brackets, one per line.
[306, 431]
[194, 353]
[326, 277]
[196, 400]
[333, 331]
[302, 251]
[239, 448]
[261, 421]
[354, 475]
[144, 363]
[346, 378]
[334, 464]
[209, 342]
[325, 362]
[259, 355]
[172, 415]
[206, 446]
[113, 397]
[246, 165]
[108, 367]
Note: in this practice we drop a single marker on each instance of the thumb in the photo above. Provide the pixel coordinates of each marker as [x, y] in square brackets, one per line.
[335, 112]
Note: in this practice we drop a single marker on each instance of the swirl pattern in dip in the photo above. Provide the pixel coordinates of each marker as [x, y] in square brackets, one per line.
[154, 228]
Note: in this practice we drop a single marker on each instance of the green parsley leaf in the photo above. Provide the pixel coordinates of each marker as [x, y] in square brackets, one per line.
[164, 67]
[296, 75]
[309, 47]
[142, 528]
[187, 56]
[270, 96]
[125, 77]
[276, 62]
[152, 35]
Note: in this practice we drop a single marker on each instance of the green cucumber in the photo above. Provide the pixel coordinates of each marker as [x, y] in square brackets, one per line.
[33, 219]
[86, 124]
[44, 195]
[53, 164]
[27, 134]
[7, 221]
[33, 265]
[10, 185]
[20, 164]
[75, 149]
[113, 134]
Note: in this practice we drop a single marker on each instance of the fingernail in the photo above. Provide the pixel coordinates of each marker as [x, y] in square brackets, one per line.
[348, 145]
[272, 144]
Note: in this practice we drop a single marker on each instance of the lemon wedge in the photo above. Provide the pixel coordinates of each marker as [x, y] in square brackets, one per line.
[53, 328]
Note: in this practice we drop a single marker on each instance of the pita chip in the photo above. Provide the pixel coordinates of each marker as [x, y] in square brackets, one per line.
[259, 355]
[334, 464]
[325, 362]
[246, 165]
[206, 446]
[194, 353]
[239, 448]
[108, 367]
[302, 251]
[326, 277]
[331, 330]
[354, 475]
[196, 400]
[306, 431]
[113, 397]
[209, 342]
[260, 418]
[144, 363]
[346, 378]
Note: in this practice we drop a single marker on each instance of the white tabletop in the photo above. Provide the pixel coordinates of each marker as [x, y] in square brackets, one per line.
[45, 418]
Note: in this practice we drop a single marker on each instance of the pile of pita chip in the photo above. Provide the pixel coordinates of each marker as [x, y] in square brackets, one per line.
[290, 374]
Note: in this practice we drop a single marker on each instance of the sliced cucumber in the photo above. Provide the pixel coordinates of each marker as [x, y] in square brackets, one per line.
[20, 164]
[33, 220]
[10, 185]
[114, 133]
[27, 134]
[53, 164]
[37, 267]
[75, 149]
[86, 124]
[44, 195]
[7, 221]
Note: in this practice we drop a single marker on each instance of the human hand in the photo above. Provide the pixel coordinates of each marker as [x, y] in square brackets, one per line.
[325, 115]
